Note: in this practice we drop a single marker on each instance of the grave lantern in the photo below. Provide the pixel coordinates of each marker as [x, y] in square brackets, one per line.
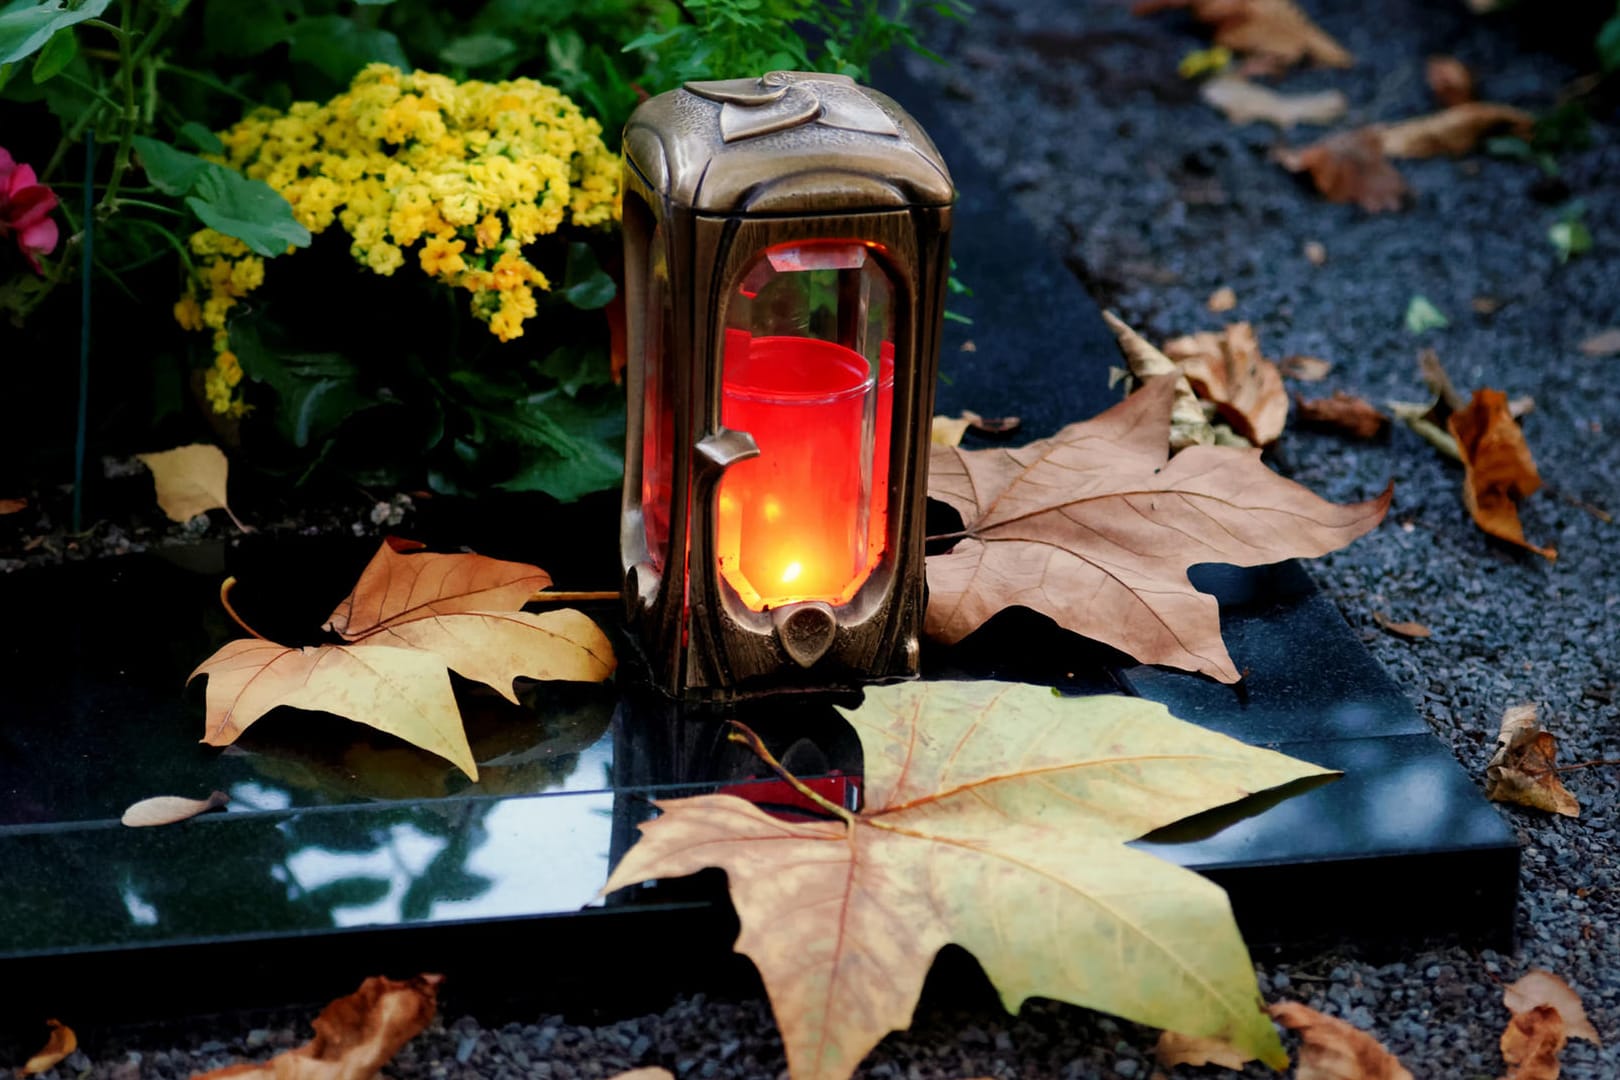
[786, 255]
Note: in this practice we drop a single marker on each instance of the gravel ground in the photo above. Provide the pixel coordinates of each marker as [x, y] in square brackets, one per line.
[1158, 201]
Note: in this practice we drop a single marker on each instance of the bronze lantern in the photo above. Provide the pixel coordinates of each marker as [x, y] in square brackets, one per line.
[786, 257]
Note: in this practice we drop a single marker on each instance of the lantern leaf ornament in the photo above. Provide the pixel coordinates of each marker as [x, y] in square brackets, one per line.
[780, 100]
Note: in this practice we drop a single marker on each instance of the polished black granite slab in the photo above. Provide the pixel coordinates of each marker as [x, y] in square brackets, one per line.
[344, 852]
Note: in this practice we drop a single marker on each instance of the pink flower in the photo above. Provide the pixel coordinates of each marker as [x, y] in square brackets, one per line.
[25, 207]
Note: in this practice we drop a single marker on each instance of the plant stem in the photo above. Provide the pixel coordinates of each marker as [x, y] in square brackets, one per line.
[745, 735]
[225, 588]
[80, 432]
[143, 204]
[126, 79]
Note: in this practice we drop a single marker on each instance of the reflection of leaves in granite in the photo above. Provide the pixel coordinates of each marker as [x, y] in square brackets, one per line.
[985, 802]
[409, 620]
[1097, 526]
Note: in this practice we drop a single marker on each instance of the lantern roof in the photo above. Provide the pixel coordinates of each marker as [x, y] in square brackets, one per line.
[786, 142]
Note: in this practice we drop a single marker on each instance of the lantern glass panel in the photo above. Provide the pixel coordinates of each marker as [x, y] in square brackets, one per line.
[657, 403]
[809, 373]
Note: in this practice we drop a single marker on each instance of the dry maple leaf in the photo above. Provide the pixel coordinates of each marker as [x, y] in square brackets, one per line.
[355, 1036]
[1605, 343]
[169, 809]
[1095, 530]
[985, 802]
[1524, 768]
[1275, 29]
[409, 618]
[1449, 80]
[1331, 1049]
[1226, 368]
[1540, 987]
[1532, 1042]
[1174, 1049]
[1356, 417]
[1498, 468]
[1188, 424]
[190, 480]
[59, 1045]
[1243, 102]
[1350, 167]
[1452, 132]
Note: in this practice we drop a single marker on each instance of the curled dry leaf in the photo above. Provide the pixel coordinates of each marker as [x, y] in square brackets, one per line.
[1540, 987]
[1222, 299]
[1095, 529]
[948, 431]
[1304, 368]
[168, 809]
[190, 480]
[1606, 343]
[1532, 1042]
[1350, 167]
[1334, 1050]
[1243, 102]
[1449, 80]
[1524, 768]
[408, 619]
[1454, 131]
[1226, 368]
[12, 506]
[1188, 424]
[1401, 629]
[649, 1073]
[983, 799]
[355, 1036]
[60, 1044]
[1174, 1049]
[1275, 29]
[1344, 412]
[1497, 465]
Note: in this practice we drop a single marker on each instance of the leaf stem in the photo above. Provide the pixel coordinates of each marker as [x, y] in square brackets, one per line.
[225, 588]
[746, 736]
[576, 596]
[960, 534]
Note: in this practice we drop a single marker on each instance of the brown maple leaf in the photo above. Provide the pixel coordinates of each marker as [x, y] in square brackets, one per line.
[1350, 167]
[355, 1036]
[1449, 80]
[1334, 1050]
[1452, 132]
[1188, 424]
[1540, 987]
[1276, 30]
[1226, 368]
[1524, 768]
[1532, 1042]
[1498, 468]
[1096, 526]
[409, 618]
[1356, 417]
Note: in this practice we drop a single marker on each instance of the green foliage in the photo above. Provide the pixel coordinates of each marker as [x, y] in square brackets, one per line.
[1422, 316]
[27, 26]
[1569, 234]
[1608, 42]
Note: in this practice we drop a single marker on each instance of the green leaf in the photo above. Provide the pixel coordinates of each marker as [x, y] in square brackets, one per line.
[585, 284]
[199, 136]
[1422, 316]
[476, 50]
[24, 30]
[1608, 43]
[173, 172]
[1571, 237]
[577, 367]
[316, 392]
[246, 29]
[250, 210]
[339, 47]
[57, 54]
[575, 446]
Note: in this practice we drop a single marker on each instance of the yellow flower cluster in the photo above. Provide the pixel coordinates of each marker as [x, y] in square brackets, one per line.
[470, 171]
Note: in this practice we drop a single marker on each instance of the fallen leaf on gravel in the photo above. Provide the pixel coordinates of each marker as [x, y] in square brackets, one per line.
[1334, 1050]
[355, 1036]
[652, 1073]
[1401, 629]
[1521, 406]
[1226, 368]
[1095, 529]
[983, 799]
[190, 480]
[1419, 416]
[1422, 316]
[1350, 167]
[1344, 412]
[409, 618]
[1498, 467]
[1449, 80]
[948, 431]
[1606, 343]
[1275, 29]
[1174, 1049]
[1222, 299]
[1454, 131]
[1539, 987]
[1532, 1042]
[1524, 768]
[1486, 305]
[1434, 376]
[1244, 102]
[1188, 424]
[61, 1043]
[1315, 253]
[12, 506]
[1304, 368]
[168, 809]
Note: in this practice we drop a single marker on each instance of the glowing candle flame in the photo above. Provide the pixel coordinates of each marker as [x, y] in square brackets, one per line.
[791, 572]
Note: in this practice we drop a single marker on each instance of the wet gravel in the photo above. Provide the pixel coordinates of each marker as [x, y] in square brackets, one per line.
[1157, 201]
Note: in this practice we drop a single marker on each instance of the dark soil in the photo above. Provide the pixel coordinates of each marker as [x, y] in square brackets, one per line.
[1157, 201]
